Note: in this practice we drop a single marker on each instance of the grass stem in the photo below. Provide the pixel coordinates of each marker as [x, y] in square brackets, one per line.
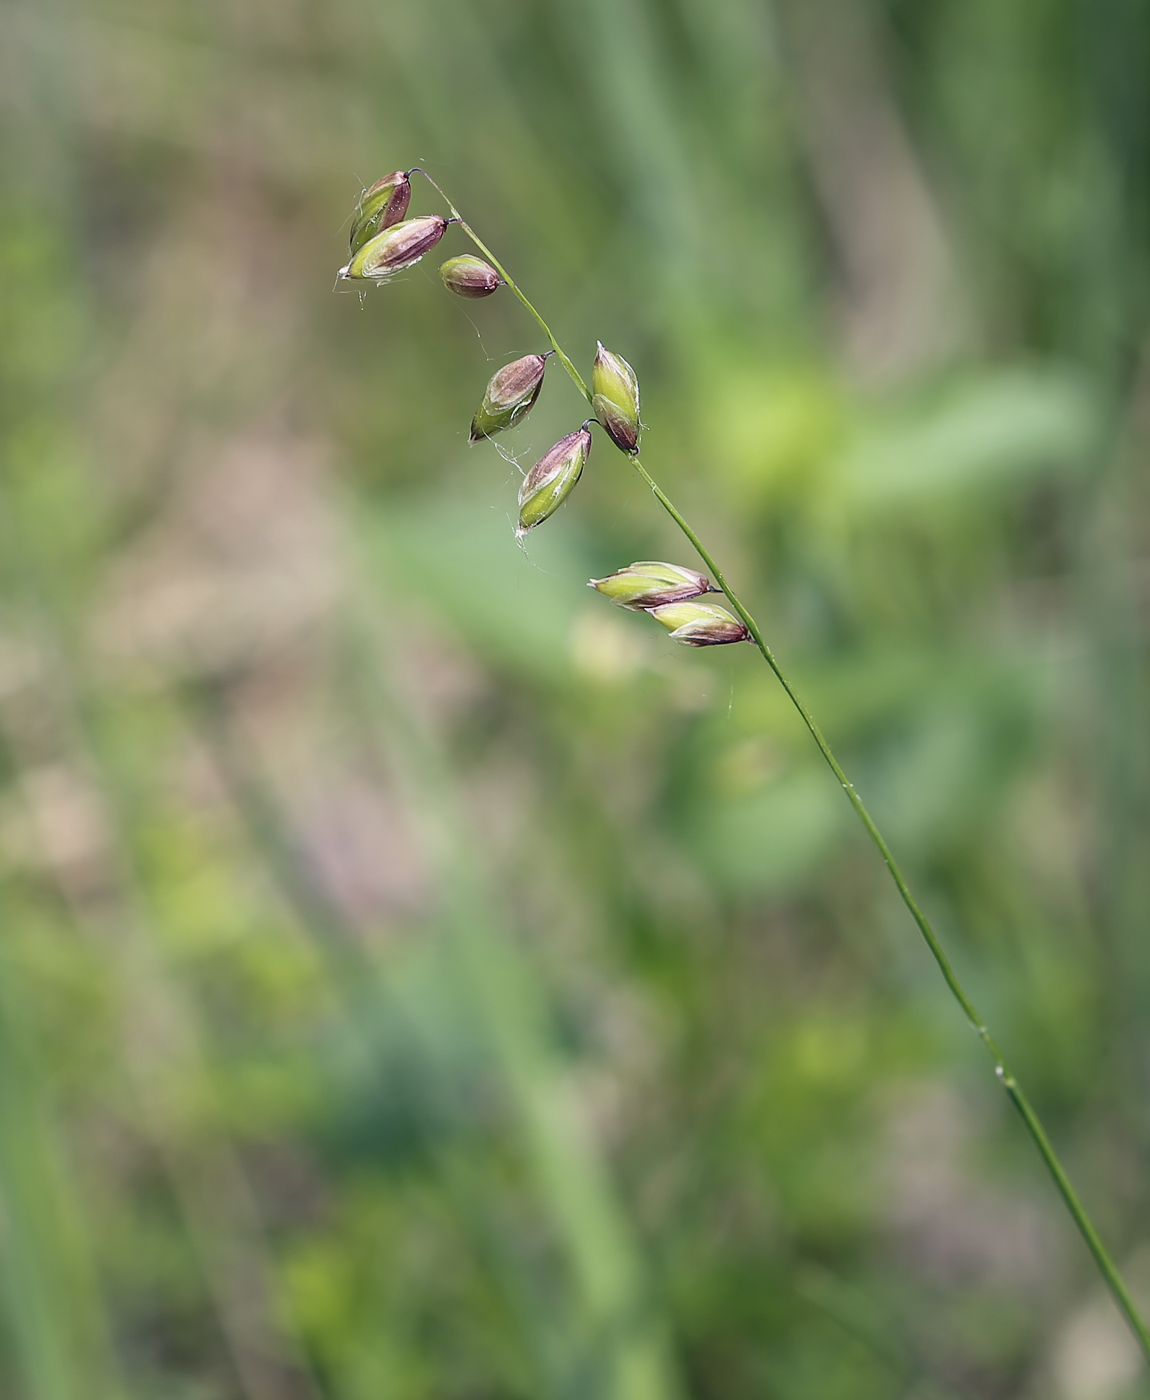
[1006, 1078]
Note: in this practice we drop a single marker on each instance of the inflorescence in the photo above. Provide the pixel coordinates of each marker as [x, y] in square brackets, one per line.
[384, 242]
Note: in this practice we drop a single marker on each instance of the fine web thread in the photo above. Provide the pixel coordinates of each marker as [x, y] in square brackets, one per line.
[1006, 1078]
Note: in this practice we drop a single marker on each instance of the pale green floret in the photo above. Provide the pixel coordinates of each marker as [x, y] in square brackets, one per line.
[547, 499]
[487, 422]
[384, 204]
[365, 260]
[672, 616]
[621, 588]
[699, 624]
[615, 398]
[549, 482]
[666, 573]
[510, 394]
[398, 247]
[648, 583]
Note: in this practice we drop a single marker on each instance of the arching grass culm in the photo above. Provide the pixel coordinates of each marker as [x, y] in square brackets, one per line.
[384, 242]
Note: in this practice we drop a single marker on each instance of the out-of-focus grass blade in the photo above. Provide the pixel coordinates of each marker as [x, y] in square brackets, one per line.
[54, 1325]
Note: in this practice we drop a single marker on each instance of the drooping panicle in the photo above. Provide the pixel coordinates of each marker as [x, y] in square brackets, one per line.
[548, 484]
[395, 248]
[380, 207]
[615, 399]
[509, 396]
[468, 276]
[649, 583]
[700, 624]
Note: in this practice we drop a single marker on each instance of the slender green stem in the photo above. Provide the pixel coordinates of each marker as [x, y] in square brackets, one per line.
[1025, 1109]
[1006, 1078]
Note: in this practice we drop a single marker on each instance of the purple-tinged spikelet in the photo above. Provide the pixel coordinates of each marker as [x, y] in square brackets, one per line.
[395, 248]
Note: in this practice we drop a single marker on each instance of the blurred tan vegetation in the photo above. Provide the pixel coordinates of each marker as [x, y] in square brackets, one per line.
[421, 981]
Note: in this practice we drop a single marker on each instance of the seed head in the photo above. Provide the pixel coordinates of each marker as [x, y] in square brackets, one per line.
[380, 207]
[509, 396]
[615, 399]
[648, 584]
[398, 247]
[548, 484]
[467, 276]
[700, 624]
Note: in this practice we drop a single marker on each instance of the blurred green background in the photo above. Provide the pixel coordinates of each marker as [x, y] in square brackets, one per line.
[422, 981]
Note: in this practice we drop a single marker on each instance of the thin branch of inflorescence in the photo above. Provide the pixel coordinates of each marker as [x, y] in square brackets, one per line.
[1005, 1077]
[576, 377]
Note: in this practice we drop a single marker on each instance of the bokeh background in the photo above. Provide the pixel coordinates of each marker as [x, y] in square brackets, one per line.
[422, 981]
